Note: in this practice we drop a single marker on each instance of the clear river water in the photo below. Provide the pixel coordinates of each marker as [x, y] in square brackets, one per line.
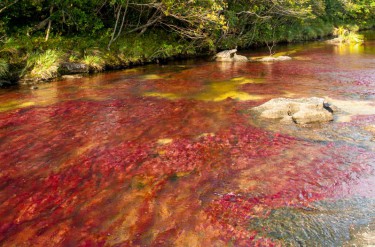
[170, 155]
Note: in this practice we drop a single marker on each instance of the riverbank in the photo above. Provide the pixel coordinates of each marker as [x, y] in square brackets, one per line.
[32, 60]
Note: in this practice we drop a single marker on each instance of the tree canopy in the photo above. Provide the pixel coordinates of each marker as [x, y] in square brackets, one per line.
[225, 22]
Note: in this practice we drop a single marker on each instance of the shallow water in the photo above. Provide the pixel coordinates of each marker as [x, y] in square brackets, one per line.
[169, 155]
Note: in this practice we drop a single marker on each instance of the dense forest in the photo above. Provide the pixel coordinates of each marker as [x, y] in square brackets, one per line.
[37, 35]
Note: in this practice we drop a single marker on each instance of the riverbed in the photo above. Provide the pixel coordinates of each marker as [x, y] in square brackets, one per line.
[170, 155]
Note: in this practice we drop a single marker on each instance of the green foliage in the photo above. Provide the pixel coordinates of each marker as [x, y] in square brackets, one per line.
[224, 23]
[95, 63]
[4, 68]
[348, 35]
[44, 65]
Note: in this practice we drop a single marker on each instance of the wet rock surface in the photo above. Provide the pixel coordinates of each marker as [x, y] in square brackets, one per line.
[274, 59]
[230, 56]
[300, 111]
[70, 77]
[73, 68]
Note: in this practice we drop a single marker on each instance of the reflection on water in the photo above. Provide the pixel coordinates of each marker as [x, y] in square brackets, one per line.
[169, 155]
[343, 49]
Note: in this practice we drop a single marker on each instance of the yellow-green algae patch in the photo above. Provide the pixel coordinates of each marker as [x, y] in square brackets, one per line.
[171, 96]
[241, 96]
[164, 141]
[12, 105]
[286, 53]
[217, 91]
[206, 134]
[133, 70]
[302, 58]
[244, 80]
[151, 77]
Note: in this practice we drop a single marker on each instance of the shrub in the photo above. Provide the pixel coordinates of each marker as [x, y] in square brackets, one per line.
[354, 38]
[43, 66]
[4, 68]
[95, 63]
[348, 35]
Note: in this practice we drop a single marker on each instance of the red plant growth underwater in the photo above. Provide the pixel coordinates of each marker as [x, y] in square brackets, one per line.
[133, 170]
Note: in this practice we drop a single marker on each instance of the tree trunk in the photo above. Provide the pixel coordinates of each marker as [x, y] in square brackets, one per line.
[49, 24]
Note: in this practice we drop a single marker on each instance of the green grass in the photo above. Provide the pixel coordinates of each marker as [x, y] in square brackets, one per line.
[43, 66]
[95, 63]
[39, 60]
[4, 68]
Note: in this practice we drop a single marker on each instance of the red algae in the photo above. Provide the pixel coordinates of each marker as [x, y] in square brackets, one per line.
[100, 164]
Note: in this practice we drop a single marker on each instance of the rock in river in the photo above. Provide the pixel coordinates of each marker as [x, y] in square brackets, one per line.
[73, 68]
[274, 59]
[300, 111]
[230, 56]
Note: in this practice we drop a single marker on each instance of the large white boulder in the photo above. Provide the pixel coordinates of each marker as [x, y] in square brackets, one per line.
[230, 56]
[300, 111]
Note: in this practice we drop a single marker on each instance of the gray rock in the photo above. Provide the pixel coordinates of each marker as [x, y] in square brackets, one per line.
[230, 56]
[274, 59]
[71, 77]
[73, 68]
[240, 58]
[300, 111]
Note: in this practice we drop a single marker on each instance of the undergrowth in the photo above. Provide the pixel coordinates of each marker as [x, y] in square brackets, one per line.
[43, 65]
[348, 35]
[4, 68]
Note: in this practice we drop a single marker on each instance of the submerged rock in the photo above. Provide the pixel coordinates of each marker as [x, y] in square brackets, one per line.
[274, 59]
[300, 111]
[230, 56]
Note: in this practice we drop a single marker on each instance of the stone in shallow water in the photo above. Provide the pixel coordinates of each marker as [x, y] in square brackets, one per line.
[230, 56]
[274, 59]
[73, 68]
[301, 111]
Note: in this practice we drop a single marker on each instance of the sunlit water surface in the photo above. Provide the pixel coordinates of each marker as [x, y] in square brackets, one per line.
[170, 155]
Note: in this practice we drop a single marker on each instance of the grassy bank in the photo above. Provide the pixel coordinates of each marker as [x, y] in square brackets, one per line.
[31, 59]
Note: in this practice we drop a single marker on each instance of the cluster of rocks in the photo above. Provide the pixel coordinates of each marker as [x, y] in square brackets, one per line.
[231, 56]
[73, 68]
[274, 59]
[300, 111]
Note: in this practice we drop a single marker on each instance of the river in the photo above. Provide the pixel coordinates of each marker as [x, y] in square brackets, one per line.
[170, 155]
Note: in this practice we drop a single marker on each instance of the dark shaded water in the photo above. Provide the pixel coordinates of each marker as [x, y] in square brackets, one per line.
[170, 156]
